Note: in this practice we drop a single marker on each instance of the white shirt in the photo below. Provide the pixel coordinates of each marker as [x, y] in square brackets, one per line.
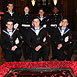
[11, 13]
[37, 31]
[10, 33]
[41, 18]
[62, 32]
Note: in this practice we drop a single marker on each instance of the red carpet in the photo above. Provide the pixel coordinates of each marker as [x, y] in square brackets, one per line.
[5, 68]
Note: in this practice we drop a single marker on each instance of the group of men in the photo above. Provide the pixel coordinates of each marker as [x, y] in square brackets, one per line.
[33, 34]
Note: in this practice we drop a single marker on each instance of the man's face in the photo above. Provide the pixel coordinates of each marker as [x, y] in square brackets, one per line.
[10, 7]
[9, 25]
[55, 10]
[64, 22]
[41, 12]
[26, 10]
[36, 22]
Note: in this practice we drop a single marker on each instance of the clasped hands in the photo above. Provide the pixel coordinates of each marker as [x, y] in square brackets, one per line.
[14, 48]
[59, 46]
[38, 47]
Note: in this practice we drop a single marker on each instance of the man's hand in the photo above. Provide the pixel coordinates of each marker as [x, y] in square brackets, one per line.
[13, 48]
[38, 48]
[59, 46]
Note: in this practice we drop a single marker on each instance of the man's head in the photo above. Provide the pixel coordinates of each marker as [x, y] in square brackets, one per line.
[55, 10]
[36, 22]
[26, 9]
[41, 12]
[9, 24]
[64, 22]
[10, 7]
